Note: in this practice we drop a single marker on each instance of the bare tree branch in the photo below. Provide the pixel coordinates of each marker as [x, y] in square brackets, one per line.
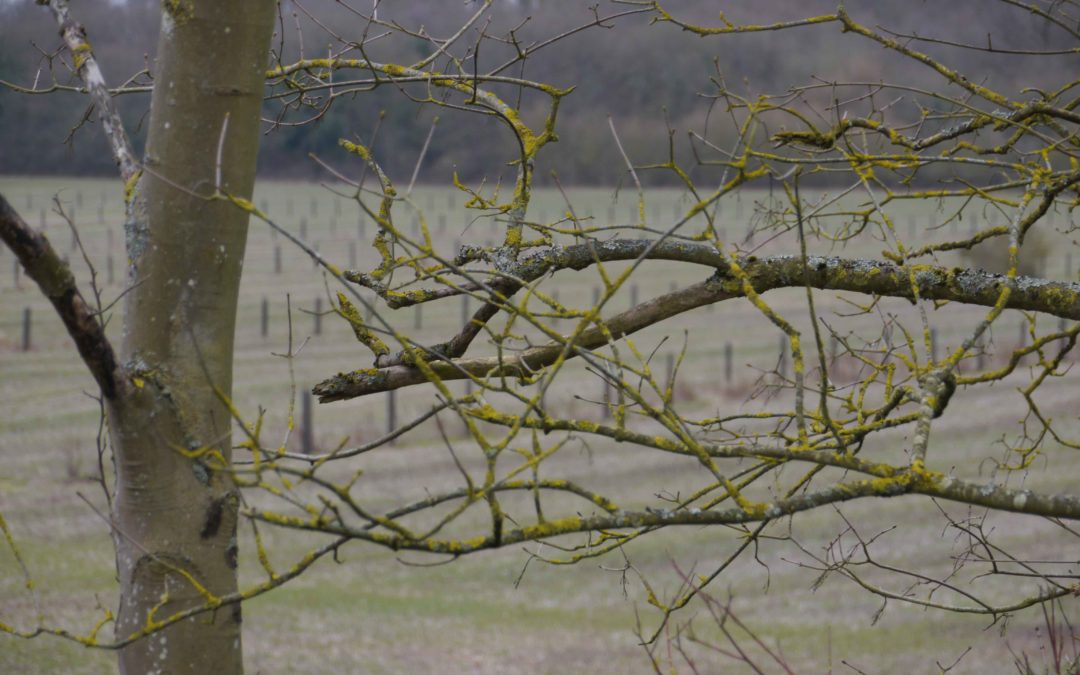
[56, 281]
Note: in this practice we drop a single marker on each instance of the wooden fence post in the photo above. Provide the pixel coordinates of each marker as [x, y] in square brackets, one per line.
[26, 338]
[728, 362]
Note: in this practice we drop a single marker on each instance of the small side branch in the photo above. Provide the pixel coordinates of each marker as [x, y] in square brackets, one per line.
[87, 69]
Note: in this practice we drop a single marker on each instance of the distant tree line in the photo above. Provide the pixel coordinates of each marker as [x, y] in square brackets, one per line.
[37, 136]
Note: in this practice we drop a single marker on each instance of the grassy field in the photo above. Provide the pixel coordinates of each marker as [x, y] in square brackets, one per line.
[373, 614]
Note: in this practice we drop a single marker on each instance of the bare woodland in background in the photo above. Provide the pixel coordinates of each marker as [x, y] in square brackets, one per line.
[793, 228]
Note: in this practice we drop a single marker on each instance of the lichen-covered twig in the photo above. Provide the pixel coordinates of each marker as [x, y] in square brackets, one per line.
[989, 495]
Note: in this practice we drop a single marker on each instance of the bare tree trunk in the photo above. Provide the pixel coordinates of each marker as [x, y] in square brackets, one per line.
[175, 510]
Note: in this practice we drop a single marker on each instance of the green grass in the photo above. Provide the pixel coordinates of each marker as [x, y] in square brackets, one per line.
[372, 613]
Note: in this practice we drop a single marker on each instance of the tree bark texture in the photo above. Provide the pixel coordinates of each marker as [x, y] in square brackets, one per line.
[175, 510]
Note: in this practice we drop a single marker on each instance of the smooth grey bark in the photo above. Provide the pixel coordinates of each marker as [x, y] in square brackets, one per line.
[175, 510]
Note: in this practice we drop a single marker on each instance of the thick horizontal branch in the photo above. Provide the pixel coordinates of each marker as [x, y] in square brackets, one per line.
[955, 284]
[969, 286]
[974, 287]
[56, 281]
[989, 495]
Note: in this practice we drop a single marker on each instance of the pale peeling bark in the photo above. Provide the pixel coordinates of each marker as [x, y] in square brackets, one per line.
[86, 67]
[175, 509]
